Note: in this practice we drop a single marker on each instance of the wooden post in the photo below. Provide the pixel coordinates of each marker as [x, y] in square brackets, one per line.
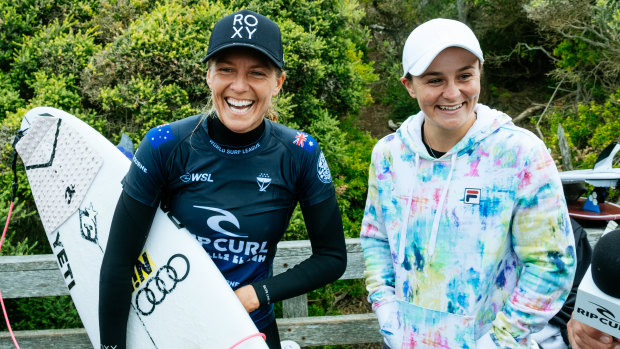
[295, 307]
[567, 163]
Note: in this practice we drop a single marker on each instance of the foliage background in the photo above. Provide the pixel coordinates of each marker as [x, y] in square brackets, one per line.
[129, 65]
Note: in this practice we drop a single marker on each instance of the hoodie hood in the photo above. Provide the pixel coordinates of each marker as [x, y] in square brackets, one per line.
[487, 121]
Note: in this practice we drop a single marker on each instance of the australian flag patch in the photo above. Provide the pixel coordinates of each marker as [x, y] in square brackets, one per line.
[304, 141]
[159, 135]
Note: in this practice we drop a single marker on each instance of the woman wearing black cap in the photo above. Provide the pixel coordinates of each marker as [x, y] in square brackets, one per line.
[232, 177]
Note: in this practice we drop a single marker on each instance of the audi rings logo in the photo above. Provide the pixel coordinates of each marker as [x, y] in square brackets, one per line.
[163, 283]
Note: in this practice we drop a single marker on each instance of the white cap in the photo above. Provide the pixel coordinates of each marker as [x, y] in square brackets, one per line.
[430, 38]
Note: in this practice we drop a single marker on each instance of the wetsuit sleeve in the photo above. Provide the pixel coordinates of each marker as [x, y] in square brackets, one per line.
[130, 226]
[543, 241]
[326, 264]
[147, 174]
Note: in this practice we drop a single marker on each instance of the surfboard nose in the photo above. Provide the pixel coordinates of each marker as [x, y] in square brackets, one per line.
[37, 147]
[60, 166]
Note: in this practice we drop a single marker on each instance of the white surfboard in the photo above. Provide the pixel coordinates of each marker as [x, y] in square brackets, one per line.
[180, 299]
[602, 175]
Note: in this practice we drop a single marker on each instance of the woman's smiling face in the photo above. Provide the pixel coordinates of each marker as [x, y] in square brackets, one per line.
[242, 83]
[448, 91]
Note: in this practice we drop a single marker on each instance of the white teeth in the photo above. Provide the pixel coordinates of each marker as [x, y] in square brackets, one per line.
[451, 108]
[239, 103]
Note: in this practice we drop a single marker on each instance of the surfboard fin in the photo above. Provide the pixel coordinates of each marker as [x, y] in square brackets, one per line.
[606, 157]
[126, 146]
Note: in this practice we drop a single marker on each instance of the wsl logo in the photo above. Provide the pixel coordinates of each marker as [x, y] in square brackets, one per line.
[263, 181]
[196, 177]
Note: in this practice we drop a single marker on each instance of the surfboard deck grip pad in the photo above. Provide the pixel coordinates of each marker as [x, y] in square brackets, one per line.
[60, 166]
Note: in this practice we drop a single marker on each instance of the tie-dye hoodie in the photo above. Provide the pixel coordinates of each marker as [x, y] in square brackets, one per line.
[473, 249]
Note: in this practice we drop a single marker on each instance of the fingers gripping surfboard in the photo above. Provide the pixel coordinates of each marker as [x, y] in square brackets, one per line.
[180, 299]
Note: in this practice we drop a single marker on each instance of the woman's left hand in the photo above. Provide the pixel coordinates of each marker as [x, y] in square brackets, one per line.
[248, 298]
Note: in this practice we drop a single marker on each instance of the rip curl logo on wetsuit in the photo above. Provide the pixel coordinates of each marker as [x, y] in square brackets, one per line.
[225, 216]
[322, 170]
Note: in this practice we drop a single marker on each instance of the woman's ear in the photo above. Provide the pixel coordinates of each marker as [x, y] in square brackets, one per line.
[409, 86]
[209, 78]
[279, 83]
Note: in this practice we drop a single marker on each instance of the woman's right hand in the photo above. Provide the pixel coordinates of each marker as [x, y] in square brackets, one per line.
[582, 336]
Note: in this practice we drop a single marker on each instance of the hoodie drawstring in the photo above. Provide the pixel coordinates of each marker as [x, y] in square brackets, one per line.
[407, 211]
[433, 239]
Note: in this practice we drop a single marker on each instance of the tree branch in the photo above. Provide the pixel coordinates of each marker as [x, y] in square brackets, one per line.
[604, 44]
[547, 107]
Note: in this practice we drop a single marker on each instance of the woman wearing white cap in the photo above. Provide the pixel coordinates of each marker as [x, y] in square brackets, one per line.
[232, 177]
[466, 235]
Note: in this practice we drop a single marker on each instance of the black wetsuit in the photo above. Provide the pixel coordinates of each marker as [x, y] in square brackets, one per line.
[235, 193]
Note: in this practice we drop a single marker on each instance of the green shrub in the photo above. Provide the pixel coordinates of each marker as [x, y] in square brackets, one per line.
[55, 49]
[9, 96]
[56, 91]
[592, 127]
[43, 313]
[142, 104]
[351, 177]
[113, 17]
[392, 92]
[18, 18]
[165, 45]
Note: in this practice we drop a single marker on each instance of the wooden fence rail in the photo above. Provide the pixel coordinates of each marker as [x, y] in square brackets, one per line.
[38, 276]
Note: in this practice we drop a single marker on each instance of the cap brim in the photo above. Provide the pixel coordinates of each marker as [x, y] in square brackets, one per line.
[423, 63]
[275, 61]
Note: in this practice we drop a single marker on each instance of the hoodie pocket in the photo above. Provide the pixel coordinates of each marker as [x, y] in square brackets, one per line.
[420, 327]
